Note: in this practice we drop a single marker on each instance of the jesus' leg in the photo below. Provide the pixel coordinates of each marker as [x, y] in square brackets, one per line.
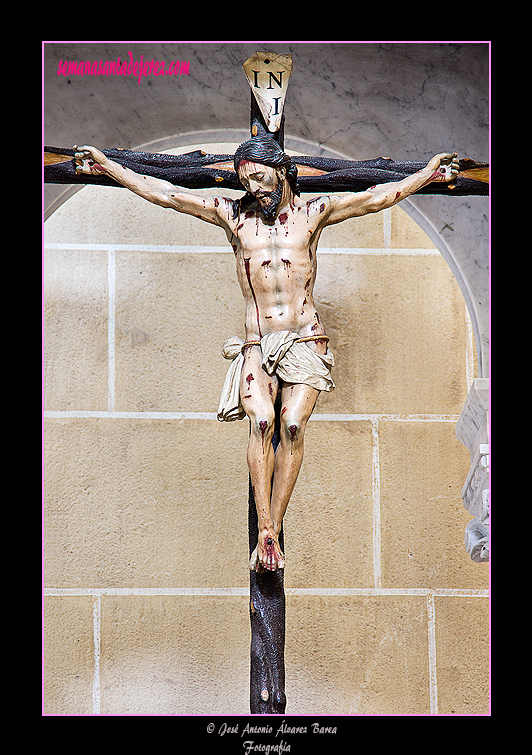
[258, 392]
[297, 404]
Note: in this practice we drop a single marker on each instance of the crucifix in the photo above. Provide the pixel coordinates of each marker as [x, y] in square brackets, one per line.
[277, 373]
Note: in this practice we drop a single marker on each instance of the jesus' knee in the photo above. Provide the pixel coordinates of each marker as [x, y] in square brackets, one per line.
[292, 430]
[262, 425]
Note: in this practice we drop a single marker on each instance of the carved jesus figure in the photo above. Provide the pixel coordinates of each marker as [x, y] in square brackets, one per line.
[274, 235]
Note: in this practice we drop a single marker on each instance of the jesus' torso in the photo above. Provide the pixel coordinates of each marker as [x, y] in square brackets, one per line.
[276, 268]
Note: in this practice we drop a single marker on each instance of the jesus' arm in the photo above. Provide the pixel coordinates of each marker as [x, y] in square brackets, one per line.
[442, 167]
[92, 161]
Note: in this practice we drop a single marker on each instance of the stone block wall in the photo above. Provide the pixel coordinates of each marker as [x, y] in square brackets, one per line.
[146, 582]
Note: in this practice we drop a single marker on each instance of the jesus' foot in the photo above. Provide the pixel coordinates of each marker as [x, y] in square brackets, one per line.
[267, 555]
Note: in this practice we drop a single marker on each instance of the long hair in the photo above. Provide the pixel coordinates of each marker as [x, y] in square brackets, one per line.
[264, 149]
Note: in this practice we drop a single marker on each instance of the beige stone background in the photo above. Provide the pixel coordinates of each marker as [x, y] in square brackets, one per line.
[146, 582]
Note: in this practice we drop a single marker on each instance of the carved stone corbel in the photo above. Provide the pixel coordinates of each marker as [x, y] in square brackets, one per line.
[472, 430]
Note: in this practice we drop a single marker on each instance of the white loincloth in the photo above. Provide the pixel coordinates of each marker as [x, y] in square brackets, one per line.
[283, 356]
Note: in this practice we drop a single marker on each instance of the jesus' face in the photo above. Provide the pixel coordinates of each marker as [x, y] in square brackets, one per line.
[265, 183]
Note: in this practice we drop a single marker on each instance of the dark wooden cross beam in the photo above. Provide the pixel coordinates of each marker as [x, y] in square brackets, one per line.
[202, 170]
[267, 600]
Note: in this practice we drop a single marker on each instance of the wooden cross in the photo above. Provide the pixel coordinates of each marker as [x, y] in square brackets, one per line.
[268, 75]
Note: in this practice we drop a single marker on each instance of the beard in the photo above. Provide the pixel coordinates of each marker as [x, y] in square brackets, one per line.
[269, 209]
